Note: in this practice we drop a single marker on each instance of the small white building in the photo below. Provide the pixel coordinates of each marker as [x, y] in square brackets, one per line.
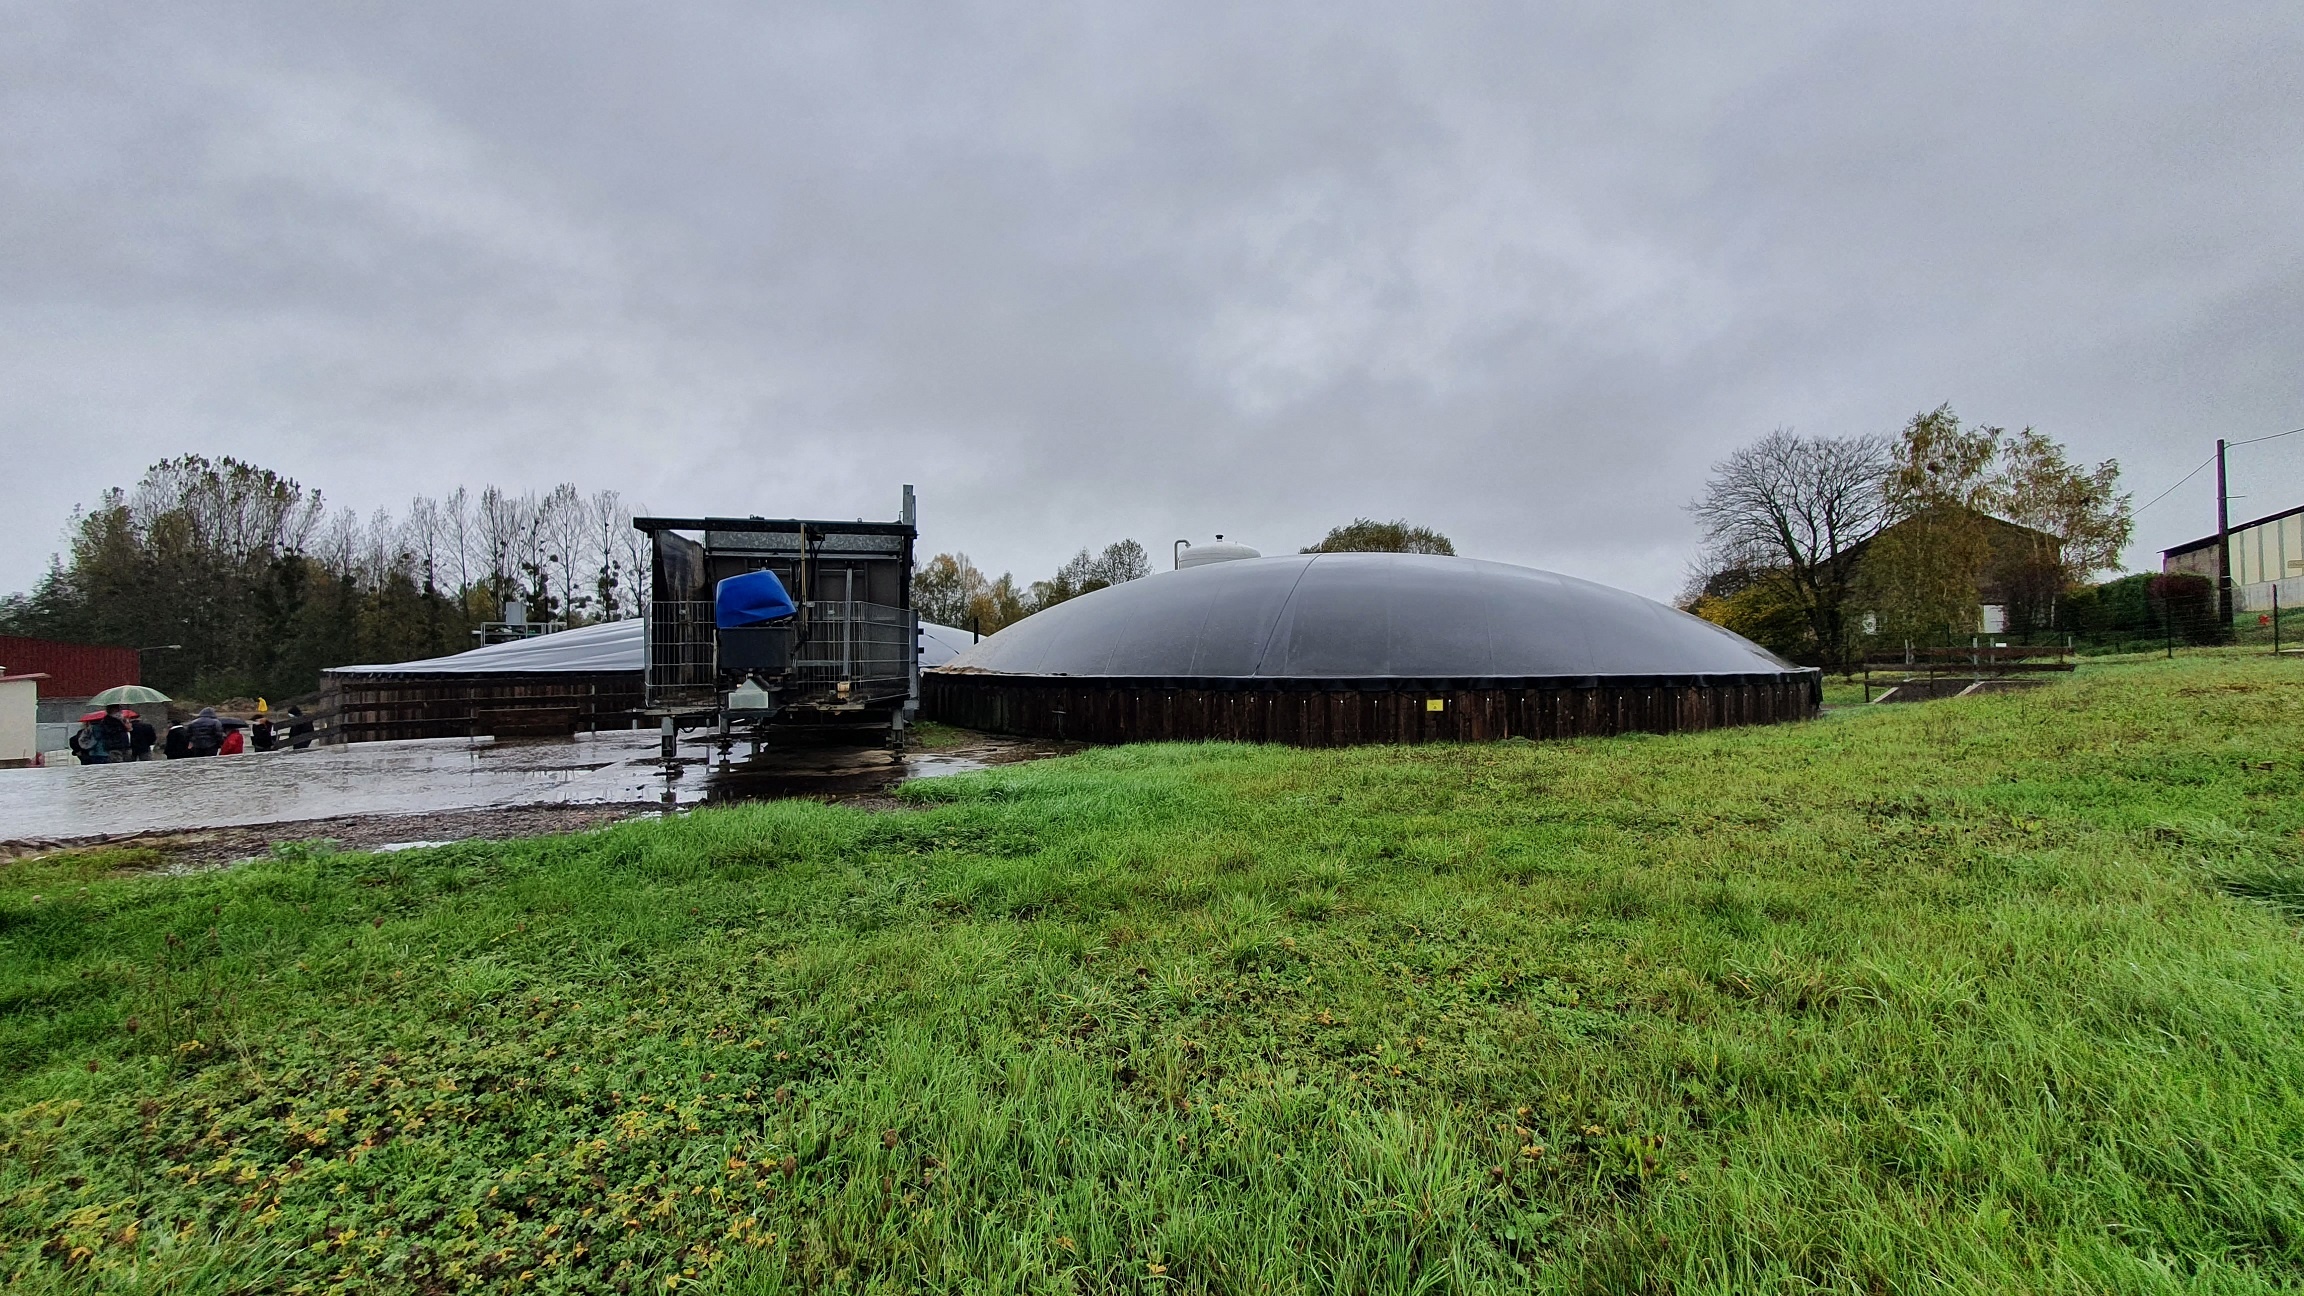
[19, 719]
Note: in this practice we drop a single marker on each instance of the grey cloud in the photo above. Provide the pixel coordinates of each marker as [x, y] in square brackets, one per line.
[1148, 271]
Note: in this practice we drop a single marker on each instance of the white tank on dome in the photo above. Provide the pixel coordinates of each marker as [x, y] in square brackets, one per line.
[1192, 555]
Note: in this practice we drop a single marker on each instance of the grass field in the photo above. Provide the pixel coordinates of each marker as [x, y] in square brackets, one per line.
[1997, 994]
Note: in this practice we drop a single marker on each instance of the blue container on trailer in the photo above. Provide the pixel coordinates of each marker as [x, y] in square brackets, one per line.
[752, 614]
[754, 598]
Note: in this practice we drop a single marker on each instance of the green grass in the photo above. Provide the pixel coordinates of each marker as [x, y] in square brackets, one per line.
[1997, 994]
[927, 735]
[1840, 691]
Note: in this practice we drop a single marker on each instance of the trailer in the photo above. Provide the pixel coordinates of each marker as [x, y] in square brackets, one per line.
[781, 630]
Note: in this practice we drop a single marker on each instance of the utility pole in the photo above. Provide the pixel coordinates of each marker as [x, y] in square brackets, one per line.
[2223, 547]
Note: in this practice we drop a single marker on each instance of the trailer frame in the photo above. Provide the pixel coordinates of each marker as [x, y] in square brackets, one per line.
[854, 670]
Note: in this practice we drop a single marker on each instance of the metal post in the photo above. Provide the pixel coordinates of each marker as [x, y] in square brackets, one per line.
[2275, 618]
[2223, 546]
[1176, 555]
[671, 741]
[848, 623]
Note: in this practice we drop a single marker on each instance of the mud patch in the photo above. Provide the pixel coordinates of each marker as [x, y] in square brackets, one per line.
[42, 809]
[860, 778]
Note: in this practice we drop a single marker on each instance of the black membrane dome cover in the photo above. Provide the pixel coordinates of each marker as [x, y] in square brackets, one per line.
[1357, 616]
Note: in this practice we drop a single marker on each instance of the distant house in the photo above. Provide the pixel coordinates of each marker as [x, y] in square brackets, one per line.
[2018, 584]
[2266, 552]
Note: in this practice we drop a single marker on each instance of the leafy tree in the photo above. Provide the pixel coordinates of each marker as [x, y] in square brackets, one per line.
[944, 586]
[1947, 487]
[2083, 508]
[1364, 535]
[1764, 607]
[1919, 578]
[1000, 605]
[949, 590]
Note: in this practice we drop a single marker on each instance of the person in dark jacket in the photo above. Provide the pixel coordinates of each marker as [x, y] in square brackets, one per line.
[299, 729]
[261, 736]
[110, 744]
[179, 743]
[141, 737]
[205, 735]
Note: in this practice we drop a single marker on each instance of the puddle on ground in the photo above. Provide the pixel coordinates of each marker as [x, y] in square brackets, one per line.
[402, 778]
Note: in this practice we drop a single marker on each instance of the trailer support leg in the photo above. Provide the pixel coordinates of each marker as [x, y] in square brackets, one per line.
[671, 741]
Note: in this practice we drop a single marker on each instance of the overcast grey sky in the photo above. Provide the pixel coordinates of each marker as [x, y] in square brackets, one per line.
[1519, 272]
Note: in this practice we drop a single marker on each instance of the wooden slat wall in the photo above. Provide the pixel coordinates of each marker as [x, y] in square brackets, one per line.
[1342, 717]
[372, 708]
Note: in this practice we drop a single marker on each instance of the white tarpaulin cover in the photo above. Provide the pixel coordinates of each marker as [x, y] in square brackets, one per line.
[613, 646]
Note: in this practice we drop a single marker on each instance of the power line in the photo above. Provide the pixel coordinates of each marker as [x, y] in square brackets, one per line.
[2229, 445]
[2185, 478]
[2253, 440]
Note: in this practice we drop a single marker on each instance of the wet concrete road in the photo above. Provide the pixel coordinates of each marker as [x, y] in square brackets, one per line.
[372, 779]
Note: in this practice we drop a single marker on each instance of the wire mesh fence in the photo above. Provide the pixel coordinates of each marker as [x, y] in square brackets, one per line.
[869, 647]
[2176, 626]
[2161, 626]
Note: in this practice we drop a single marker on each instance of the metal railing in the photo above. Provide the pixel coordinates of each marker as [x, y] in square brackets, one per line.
[871, 646]
[1979, 661]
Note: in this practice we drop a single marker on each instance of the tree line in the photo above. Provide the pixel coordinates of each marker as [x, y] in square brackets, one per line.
[1816, 547]
[950, 590]
[245, 582]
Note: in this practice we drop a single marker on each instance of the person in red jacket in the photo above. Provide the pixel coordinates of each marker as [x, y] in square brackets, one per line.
[233, 743]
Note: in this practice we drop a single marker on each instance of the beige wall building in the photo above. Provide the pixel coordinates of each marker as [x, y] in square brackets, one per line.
[2267, 549]
[2266, 552]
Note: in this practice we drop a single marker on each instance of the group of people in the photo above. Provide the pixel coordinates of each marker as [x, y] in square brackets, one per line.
[120, 735]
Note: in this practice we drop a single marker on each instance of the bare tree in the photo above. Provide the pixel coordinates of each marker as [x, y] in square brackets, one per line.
[634, 552]
[1121, 561]
[1800, 507]
[604, 516]
[426, 542]
[457, 539]
[564, 529]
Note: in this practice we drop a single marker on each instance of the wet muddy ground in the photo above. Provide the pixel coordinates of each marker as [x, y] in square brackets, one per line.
[381, 795]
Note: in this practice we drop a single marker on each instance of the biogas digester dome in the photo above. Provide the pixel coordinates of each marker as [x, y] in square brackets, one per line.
[1330, 649]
